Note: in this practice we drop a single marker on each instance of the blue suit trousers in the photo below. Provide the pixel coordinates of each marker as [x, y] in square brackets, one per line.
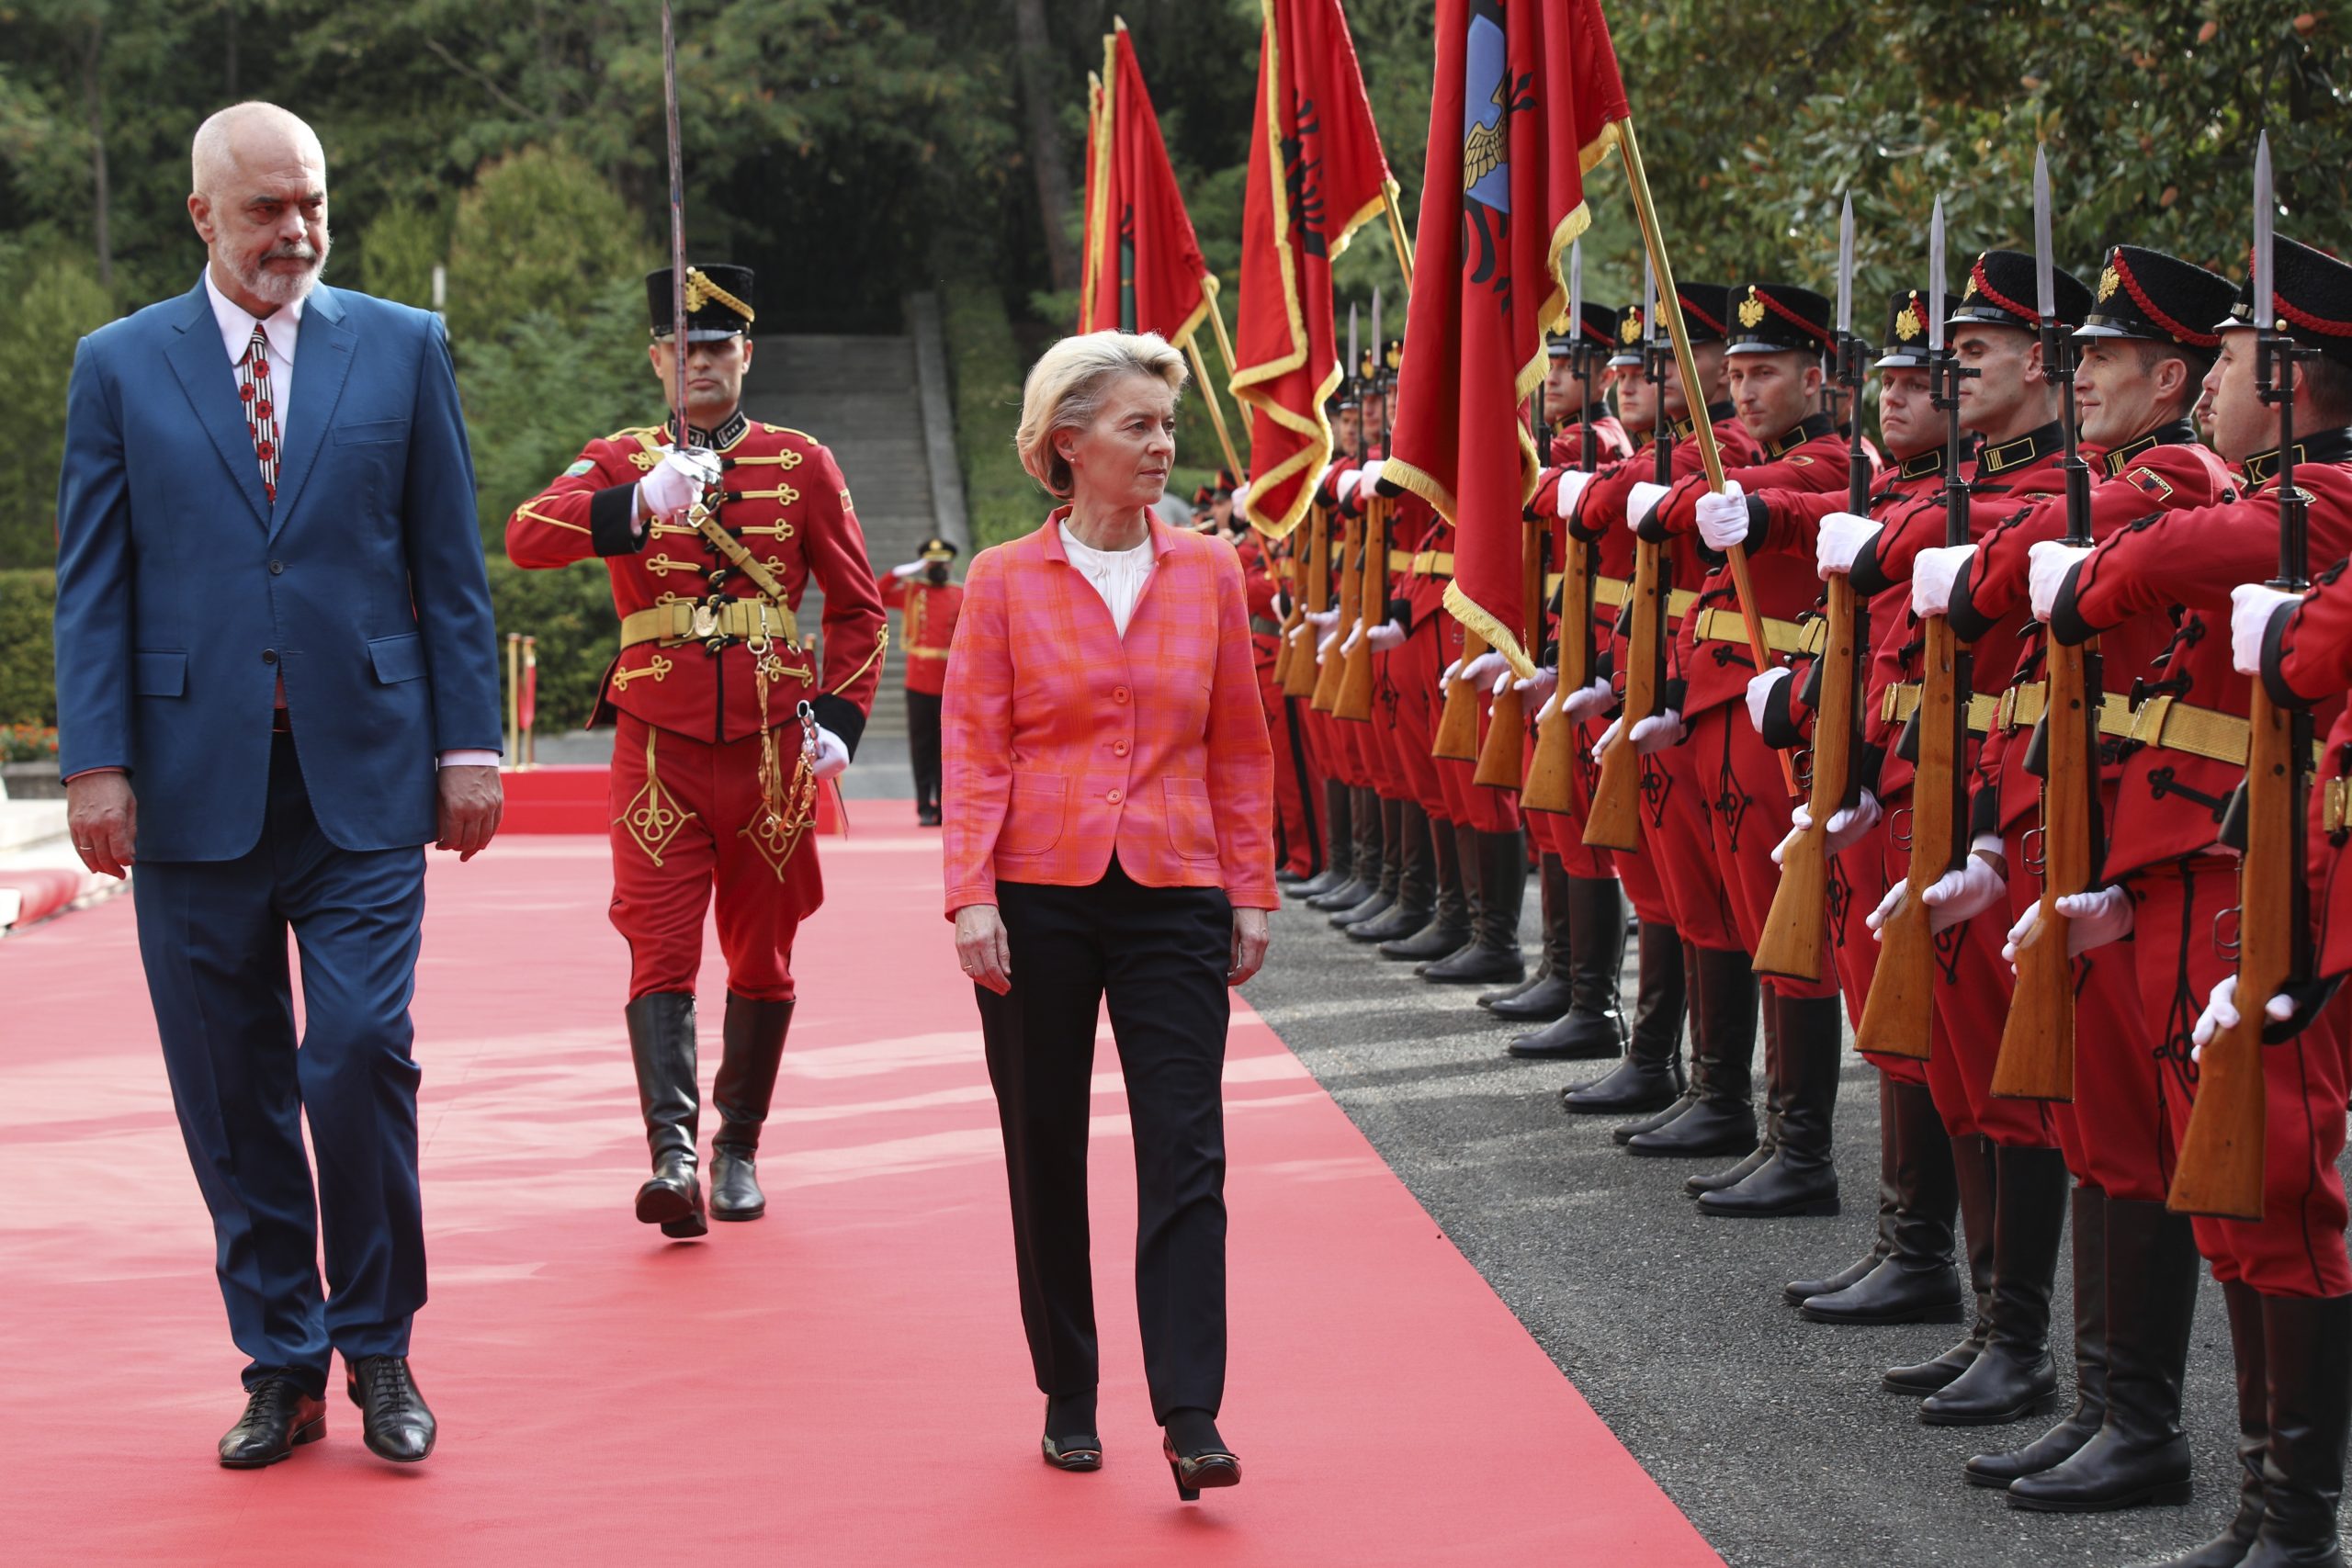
[212, 936]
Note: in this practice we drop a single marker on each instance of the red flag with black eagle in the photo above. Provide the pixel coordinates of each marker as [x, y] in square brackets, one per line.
[1144, 261]
[1526, 102]
[1316, 175]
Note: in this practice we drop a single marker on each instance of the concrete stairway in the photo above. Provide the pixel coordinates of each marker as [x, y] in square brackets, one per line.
[857, 395]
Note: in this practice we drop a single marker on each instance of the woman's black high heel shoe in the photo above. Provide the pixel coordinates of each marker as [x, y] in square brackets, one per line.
[1069, 1442]
[1201, 1458]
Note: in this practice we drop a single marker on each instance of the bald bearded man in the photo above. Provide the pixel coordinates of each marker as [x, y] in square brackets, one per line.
[276, 684]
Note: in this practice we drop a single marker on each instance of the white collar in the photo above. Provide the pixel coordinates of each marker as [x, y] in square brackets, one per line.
[282, 325]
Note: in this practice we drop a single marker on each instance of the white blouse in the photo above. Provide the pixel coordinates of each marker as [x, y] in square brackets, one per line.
[1117, 575]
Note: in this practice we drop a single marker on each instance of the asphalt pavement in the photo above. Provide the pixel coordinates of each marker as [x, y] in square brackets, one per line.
[1768, 1431]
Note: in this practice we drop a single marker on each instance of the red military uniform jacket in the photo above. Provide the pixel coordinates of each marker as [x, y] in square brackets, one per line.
[927, 615]
[2163, 468]
[1711, 653]
[2307, 660]
[2185, 563]
[2006, 477]
[784, 499]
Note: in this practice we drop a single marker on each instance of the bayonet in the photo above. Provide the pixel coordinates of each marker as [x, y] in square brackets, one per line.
[1936, 279]
[1845, 267]
[1575, 290]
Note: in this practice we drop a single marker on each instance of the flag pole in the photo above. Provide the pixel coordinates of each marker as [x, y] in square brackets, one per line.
[1710, 456]
[1093, 155]
[1224, 343]
[1208, 394]
[1396, 240]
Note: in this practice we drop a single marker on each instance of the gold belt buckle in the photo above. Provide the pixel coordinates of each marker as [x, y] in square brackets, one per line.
[706, 623]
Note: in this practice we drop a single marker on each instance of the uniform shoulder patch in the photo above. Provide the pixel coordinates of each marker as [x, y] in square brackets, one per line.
[2149, 482]
[1799, 461]
[584, 466]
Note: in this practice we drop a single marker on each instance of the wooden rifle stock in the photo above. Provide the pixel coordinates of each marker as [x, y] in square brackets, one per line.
[1502, 762]
[1314, 585]
[1331, 668]
[1354, 701]
[1797, 925]
[2220, 1171]
[2037, 1059]
[1550, 781]
[1898, 1019]
[1457, 725]
[1614, 820]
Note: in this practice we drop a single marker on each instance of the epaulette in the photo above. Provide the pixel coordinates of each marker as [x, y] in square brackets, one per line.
[787, 430]
[647, 450]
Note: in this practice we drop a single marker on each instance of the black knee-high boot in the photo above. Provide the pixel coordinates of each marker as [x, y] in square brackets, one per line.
[1977, 1177]
[1651, 1075]
[2013, 1377]
[1914, 1281]
[662, 1044]
[1339, 844]
[742, 1091]
[1724, 1120]
[1593, 1027]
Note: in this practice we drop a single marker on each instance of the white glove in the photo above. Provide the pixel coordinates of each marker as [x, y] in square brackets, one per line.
[677, 482]
[1723, 519]
[1482, 670]
[1842, 537]
[1932, 575]
[832, 757]
[2221, 1012]
[1608, 735]
[1386, 636]
[1322, 620]
[1846, 825]
[1960, 896]
[1241, 497]
[1345, 487]
[912, 569]
[2250, 606]
[1645, 496]
[1355, 637]
[1572, 483]
[1660, 730]
[1588, 702]
[2047, 564]
[1370, 476]
[1536, 689]
[1445, 676]
[1759, 690]
[2093, 919]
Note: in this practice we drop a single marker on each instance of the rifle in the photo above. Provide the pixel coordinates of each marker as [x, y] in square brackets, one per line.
[2220, 1171]
[1311, 585]
[2037, 1060]
[1354, 701]
[1332, 669]
[1898, 1018]
[1792, 941]
[1502, 762]
[1551, 784]
[1614, 820]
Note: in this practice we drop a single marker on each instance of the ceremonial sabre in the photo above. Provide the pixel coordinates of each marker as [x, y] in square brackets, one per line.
[677, 225]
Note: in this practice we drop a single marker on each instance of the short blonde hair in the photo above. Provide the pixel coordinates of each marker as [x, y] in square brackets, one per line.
[1067, 387]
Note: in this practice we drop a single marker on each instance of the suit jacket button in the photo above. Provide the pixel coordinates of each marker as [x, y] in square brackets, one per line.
[1114, 798]
[1119, 694]
[277, 569]
[1118, 748]
[269, 656]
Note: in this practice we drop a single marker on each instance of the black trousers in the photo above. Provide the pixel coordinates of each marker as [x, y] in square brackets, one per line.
[1159, 956]
[923, 746]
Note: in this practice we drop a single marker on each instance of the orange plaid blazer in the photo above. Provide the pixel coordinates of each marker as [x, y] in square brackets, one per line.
[1060, 743]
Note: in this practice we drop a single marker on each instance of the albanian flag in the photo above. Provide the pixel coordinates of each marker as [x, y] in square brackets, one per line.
[1144, 268]
[1526, 102]
[1316, 175]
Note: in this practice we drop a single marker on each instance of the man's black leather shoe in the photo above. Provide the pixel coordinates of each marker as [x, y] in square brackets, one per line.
[398, 1424]
[279, 1418]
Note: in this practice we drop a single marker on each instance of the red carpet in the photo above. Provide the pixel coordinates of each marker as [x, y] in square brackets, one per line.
[839, 1383]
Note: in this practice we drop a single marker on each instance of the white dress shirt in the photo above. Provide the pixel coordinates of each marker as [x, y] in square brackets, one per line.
[282, 329]
[1117, 575]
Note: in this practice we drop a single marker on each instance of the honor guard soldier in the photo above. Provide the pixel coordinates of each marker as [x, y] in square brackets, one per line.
[927, 604]
[2285, 1277]
[725, 718]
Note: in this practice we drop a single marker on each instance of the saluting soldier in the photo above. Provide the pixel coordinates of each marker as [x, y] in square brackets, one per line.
[2285, 1278]
[2147, 344]
[928, 602]
[714, 768]
[1779, 334]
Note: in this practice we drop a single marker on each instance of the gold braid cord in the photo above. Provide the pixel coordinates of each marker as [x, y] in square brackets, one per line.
[786, 812]
[653, 816]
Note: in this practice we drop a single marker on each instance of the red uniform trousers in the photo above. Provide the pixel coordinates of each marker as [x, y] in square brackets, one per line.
[2297, 1248]
[1679, 854]
[1857, 883]
[683, 812]
[1411, 671]
[1972, 983]
[1294, 780]
[1489, 810]
[1748, 816]
[1562, 834]
[2113, 1132]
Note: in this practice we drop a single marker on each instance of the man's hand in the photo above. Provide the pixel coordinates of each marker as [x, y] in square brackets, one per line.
[1846, 825]
[1643, 501]
[1534, 690]
[1589, 703]
[832, 757]
[911, 569]
[983, 947]
[472, 800]
[1960, 896]
[1385, 637]
[1841, 541]
[1932, 576]
[1482, 671]
[676, 483]
[1572, 483]
[102, 818]
[1249, 936]
[2252, 605]
[2047, 563]
[1759, 694]
[1723, 518]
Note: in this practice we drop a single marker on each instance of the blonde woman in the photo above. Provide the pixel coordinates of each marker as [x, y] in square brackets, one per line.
[1109, 790]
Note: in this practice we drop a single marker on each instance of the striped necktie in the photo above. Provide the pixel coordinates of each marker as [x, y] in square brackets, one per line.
[253, 390]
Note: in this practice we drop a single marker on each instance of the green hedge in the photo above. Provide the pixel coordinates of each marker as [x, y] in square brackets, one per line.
[571, 612]
[984, 362]
[27, 653]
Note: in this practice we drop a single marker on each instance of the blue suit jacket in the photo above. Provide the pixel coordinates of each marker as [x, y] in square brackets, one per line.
[183, 594]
